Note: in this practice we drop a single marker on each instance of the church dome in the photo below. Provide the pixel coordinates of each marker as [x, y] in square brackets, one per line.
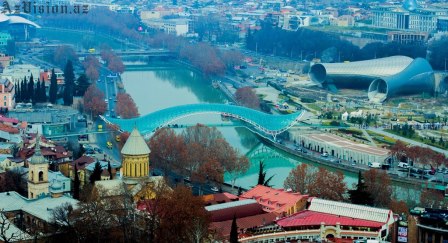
[37, 157]
[56, 186]
[135, 145]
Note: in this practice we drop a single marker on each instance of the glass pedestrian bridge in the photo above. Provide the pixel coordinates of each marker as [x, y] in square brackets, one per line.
[266, 123]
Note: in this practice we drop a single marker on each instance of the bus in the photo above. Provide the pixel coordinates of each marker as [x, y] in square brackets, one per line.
[92, 50]
[109, 144]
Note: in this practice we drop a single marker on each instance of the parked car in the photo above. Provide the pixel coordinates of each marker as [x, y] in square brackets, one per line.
[215, 189]
[324, 154]
[374, 165]
[403, 165]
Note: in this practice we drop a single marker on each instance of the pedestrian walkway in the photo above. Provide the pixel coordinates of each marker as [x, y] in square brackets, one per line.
[367, 135]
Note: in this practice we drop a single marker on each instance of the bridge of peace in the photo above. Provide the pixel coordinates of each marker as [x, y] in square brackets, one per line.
[262, 123]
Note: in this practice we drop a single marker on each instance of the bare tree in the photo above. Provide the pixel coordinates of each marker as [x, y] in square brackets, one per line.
[8, 231]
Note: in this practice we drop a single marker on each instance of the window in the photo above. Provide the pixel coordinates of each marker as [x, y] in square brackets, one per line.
[63, 185]
[41, 176]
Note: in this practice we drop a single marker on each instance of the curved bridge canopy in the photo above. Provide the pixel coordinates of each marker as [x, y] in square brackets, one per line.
[270, 124]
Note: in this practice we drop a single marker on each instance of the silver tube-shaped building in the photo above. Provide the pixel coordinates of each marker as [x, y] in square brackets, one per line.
[418, 77]
[358, 75]
[383, 77]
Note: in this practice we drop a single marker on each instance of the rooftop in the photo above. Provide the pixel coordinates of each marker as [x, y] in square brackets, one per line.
[245, 223]
[135, 145]
[275, 200]
[311, 218]
[40, 208]
[351, 210]
[345, 143]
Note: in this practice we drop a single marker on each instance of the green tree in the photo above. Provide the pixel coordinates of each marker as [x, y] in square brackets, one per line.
[109, 169]
[53, 88]
[43, 92]
[37, 93]
[96, 174]
[82, 83]
[76, 184]
[69, 83]
[262, 176]
[360, 195]
[31, 89]
[234, 231]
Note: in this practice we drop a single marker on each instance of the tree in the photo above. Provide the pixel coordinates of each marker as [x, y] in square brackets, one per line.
[246, 96]
[378, 184]
[192, 220]
[96, 174]
[63, 54]
[91, 66]
[53, 87]
[94, 101]
[12, 181]
[31, 94]
[360, 195]
[234, 231]
[328, 185]
[42, 92]
[116, 65]
[232, 58]
[76, 184]
[9, 233]
[126, 107]
[109, 169]
[237, 167]
[398, 207]
[82, 84]
[432, 199]
[437, 53]
[69, 83]
[167, 149]
[300, 179]
[262, 180]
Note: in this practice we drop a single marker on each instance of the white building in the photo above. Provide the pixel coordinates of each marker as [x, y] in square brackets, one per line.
[179, 27]
[397, 17]
[16, 73]
[342, 148]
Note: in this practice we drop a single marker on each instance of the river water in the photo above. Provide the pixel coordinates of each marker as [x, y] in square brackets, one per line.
[163, 86]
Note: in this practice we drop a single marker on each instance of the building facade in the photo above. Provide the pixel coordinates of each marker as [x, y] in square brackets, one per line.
[327, 221]
[398, 17]
[7, 94]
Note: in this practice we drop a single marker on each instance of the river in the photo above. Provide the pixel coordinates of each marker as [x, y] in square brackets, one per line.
[167, 85]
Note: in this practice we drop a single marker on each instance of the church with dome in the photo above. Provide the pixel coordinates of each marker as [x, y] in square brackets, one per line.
[135, 168]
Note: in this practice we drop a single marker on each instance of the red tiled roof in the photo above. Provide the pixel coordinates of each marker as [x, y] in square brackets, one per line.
[82, 162]
[7, 119]
[244, 223]
[219, 198]
[239, 211]
[311, 218]
[274, 200]
[9, 129]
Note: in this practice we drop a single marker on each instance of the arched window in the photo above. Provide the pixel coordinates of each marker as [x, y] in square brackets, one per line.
[41, 176]
[32, 175]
